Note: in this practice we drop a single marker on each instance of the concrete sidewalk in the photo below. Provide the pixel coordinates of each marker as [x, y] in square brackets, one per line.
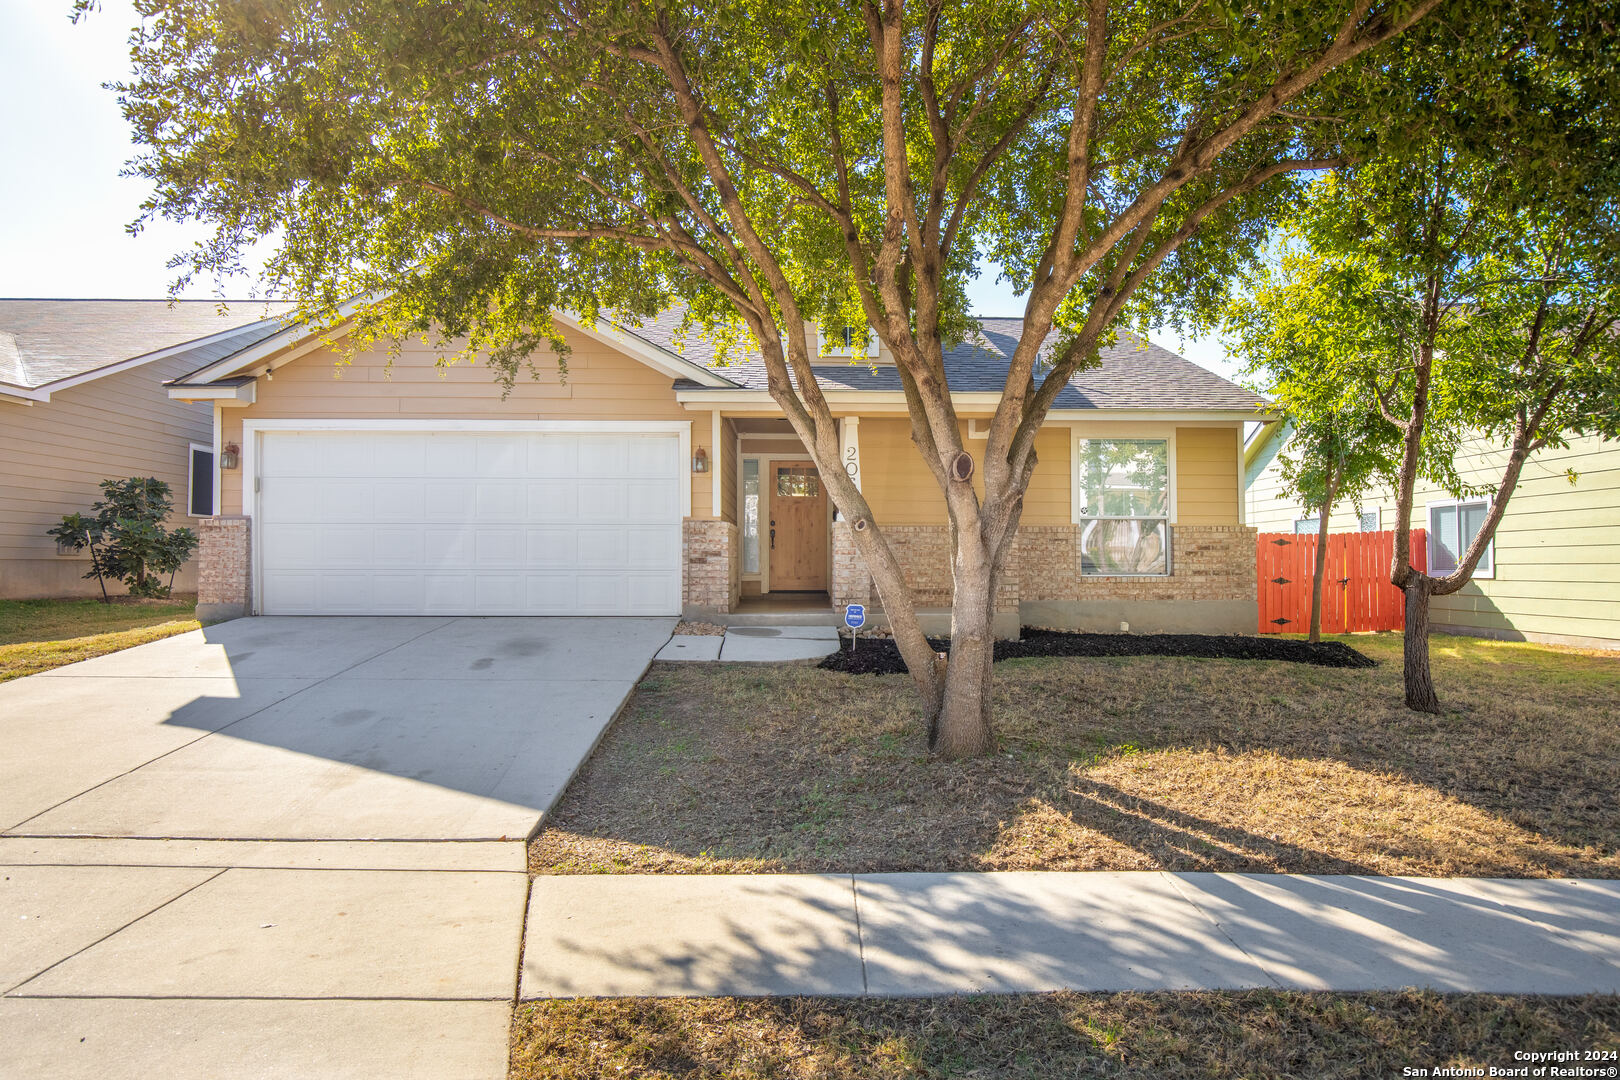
[916, 934]
[754, 644]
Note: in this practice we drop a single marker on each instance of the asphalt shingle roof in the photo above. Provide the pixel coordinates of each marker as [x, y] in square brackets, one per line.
[45, 341]
[1134, 374]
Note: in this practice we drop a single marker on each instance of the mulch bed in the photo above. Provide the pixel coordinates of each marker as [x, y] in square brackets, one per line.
[881, 656]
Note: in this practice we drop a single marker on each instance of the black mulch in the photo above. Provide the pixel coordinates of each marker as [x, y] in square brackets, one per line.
[880, 656]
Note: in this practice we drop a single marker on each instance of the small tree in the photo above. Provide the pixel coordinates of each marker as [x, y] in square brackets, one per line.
[1297, 327]
[1489, 302]
[126, 537]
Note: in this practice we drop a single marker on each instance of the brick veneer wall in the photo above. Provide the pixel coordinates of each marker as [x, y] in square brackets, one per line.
[224, 567]
[1209, 563]
[713, 577]
[851, 584]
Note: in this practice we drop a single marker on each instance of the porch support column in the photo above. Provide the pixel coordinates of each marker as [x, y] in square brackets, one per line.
[851, 584]
[717, 460]
[849, 432]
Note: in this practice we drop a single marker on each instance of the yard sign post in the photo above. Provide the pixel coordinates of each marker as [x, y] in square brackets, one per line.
[854, 618]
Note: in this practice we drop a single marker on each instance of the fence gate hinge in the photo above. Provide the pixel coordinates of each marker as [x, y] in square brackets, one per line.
[1281, 542]
[1281, 581]
[1280, 622]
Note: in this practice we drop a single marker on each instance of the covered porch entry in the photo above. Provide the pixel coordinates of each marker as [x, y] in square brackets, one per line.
[784, 522]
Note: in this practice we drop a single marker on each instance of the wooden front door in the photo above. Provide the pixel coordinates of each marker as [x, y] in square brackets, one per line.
[798, 527]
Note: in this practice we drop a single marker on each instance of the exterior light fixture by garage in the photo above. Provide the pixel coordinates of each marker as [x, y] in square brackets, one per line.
[700, 461]
[230, 456]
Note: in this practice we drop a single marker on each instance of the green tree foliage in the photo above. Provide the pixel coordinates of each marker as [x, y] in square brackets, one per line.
[1486, 300]
[475, 166]
[127, 539]
[1302, 331]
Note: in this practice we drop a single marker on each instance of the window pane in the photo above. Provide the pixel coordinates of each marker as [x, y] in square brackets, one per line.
[1125, 547]
[1307, 526]
[750, 516]
[200, 498]
[1442, 539]
[797, 482]
[1369, 521]
[1127, 478]
[1471, 518]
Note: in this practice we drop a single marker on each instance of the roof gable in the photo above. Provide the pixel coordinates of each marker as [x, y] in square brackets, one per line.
[46, 344]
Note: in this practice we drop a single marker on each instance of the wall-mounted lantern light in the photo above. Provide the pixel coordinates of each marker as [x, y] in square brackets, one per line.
[700, 461]
[230, 457]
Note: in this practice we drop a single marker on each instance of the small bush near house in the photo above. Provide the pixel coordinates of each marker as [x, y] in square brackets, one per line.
[126, 537]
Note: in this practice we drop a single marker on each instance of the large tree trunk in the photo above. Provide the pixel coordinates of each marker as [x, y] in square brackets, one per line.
[1420, 695]
[962, 728]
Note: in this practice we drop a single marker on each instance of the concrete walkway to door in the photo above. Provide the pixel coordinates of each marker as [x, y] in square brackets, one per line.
[288, 846]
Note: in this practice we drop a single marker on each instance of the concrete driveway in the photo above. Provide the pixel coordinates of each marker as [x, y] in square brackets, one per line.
[220, 852]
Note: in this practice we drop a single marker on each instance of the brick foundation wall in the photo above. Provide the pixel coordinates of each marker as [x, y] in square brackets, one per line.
[1210, 565]
[224, 567]
[851, 584]
[713, 577]
[1208, 562]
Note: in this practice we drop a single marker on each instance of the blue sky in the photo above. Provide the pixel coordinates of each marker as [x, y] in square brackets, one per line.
[65, 141]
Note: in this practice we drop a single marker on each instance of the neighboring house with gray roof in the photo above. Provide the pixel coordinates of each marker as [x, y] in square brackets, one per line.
[654, 479]
[82, 400]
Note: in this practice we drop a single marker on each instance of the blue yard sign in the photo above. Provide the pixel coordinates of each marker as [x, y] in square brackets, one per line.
[855, 616]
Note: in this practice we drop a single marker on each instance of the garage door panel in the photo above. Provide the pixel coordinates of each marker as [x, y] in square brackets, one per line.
[499, 500]
[346, 546]
[554, 457]
[290, 500]
[498, 594]
[447, 500]
[649, 547]
[501, 456]
[553, 500]
[603, 456]
[346, 501]
[650, 594]
[399, 546]
[499, 547]
[555, 548]
[288, 547]
[448, 549]
[602, 500]
[404, 457]
[290, 592]
[653, 457]
[550, 593]
[398, 500]
[470, 523]
[451, 455]
[396, 594]
[601, 547]
[652, 500]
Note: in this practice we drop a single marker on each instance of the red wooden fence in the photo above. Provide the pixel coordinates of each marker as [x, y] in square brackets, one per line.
[1356, 593]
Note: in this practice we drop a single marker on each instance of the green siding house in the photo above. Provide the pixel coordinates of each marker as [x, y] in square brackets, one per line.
[1553, 571]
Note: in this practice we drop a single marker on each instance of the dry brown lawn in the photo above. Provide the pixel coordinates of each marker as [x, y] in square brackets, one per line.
[1115, 764]
[1163, 1036]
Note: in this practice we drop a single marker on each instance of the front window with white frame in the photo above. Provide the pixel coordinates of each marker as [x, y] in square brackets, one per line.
[1123, 487]
[1452, 528]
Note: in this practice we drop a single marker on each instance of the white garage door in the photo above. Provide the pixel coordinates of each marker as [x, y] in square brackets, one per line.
[457, 523]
